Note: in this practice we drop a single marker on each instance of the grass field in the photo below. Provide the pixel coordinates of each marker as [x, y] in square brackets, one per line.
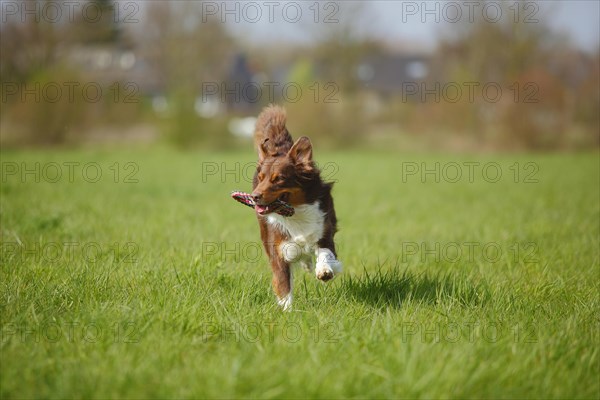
[150, 281]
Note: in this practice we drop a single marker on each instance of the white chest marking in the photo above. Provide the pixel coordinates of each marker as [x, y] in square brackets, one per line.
[305, 229]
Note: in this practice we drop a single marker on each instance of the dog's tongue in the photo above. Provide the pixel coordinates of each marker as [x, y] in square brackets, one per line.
[269, 208]
[261, 209]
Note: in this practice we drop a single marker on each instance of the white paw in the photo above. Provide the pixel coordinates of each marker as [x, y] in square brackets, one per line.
[327, 265]
[286, 302]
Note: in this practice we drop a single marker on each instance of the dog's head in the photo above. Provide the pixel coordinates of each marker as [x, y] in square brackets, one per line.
[286, 177]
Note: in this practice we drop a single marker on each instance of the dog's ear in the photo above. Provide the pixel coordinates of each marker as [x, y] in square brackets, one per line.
[301, 151]
[262, 150]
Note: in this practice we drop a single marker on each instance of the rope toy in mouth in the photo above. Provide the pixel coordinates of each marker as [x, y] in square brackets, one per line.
[278, 206]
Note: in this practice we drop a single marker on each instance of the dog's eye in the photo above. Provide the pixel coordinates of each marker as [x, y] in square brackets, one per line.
[277, 179]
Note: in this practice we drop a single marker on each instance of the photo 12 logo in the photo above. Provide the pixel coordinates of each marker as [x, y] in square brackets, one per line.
[253, 12]
[269, 331]
[455, 12]
[238, 172]
[236, 252]
[68, 11]
[69, 172]
[71, 92]
[454, 252]
[71, 332]
[269, 92]
[70, 252]
[469, 92]
[469, 172]
[470, 332]
[253, 252]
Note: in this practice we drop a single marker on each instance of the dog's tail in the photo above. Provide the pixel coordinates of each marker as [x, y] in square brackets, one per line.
[271, 136]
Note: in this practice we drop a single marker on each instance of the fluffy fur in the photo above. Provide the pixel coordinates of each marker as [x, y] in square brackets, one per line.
[286, 171]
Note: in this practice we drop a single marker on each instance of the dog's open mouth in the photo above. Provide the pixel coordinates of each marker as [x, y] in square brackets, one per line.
[274, 206]
[267, 209]
[281, 205]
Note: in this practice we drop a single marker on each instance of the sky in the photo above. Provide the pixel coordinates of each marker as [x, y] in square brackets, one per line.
[418, 22]
[579, 19]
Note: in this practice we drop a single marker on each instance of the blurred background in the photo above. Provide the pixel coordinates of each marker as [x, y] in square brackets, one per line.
[449, 76]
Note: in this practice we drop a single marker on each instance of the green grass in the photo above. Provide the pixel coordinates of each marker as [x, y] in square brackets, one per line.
[162, 293]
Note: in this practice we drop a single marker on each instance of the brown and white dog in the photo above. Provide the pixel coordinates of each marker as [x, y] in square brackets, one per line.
[286, 171]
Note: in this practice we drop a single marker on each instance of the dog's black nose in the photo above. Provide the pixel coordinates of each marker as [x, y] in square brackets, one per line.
[256, 197]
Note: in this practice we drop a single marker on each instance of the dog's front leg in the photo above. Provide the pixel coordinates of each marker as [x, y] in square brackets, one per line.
[327, 266]
[282, 274]
[282, 281]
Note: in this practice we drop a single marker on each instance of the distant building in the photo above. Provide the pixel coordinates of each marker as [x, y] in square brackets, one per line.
[107, 64]
[387, 75]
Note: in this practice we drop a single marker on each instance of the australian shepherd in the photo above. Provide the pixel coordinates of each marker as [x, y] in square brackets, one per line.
[286, 171]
